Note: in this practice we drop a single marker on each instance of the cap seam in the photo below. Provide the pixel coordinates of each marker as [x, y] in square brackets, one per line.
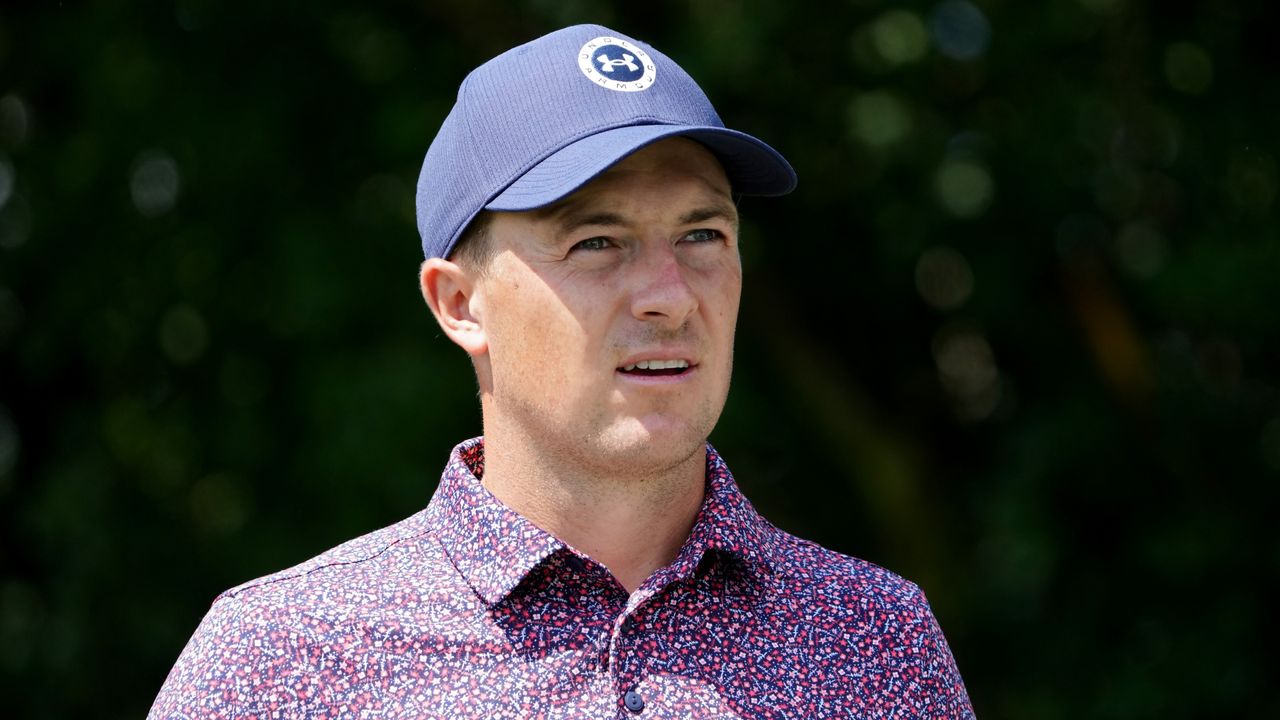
[474, 157]
[466, 124]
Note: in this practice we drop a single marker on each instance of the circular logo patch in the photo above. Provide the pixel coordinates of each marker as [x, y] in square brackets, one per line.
[616, 64]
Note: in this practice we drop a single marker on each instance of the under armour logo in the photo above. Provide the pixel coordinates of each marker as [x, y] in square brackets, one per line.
[635, 71]
[608, 64]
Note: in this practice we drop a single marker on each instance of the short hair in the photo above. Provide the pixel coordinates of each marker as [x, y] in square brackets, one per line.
[474, 249]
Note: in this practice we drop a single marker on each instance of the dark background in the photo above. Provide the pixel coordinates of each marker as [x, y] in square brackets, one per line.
[1014, 336]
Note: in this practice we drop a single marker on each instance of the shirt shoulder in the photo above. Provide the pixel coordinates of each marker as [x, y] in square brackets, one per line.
[290, 638]
[400, 542]
[838, 577]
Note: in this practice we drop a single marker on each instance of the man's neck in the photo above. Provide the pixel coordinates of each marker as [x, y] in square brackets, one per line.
[633, 524]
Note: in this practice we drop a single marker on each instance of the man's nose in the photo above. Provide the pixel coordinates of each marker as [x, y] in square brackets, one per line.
[662, 293]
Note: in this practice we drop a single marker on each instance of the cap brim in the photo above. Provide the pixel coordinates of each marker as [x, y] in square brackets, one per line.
[753, 168]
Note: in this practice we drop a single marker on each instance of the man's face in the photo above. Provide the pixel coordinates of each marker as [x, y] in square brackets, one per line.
[609, 316]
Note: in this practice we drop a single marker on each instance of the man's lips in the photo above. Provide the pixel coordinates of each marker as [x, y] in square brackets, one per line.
[656, 367]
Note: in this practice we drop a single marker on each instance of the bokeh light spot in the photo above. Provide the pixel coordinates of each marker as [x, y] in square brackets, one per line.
[13, 120]
[899, 37]
[1141, 250]
[183, 334]
[1117, 189]
[10, 443]
[219, 504]
[960, 30]
[1251, 180]
[943, 278]
[155, 183]
[1188, 68]
[967, 370]
[879, 119]
[964, 188]
[1150, 136]
[15, 222]
[6, 181]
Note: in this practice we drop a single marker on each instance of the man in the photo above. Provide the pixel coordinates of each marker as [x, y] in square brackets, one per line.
[591, 556]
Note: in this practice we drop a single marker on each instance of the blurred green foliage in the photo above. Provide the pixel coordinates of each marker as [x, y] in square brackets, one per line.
[1015, 335]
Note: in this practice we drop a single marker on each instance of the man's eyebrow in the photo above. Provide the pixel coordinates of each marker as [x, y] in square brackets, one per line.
[710, 212]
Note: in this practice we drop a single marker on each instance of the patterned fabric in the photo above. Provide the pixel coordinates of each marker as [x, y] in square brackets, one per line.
[467, 610]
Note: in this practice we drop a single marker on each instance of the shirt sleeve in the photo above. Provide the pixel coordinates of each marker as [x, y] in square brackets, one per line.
[241, 662]
[938, 690]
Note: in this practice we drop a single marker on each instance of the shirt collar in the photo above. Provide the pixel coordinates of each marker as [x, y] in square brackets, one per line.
[494, 547]
[727, 524]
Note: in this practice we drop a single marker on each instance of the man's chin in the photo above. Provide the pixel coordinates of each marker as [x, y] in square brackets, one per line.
[652, 444]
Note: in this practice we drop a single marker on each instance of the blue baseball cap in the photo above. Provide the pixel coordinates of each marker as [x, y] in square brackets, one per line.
[541, 120]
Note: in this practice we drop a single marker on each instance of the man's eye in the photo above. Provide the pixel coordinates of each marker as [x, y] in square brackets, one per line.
[595, 243]
[702, 235]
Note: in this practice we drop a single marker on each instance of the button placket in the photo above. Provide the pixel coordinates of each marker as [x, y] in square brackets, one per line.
[630, 628]
[626, 666]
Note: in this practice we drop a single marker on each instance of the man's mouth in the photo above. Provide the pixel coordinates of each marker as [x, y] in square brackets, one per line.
[653, 368]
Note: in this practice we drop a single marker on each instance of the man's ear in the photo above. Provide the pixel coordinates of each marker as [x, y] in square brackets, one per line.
[450, 292]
